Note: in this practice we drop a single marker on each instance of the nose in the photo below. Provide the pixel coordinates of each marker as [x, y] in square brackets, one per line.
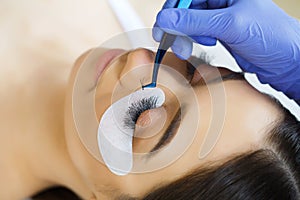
[137, 58]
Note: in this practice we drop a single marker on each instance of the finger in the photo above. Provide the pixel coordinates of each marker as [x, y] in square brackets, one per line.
[217, 4]
[212, 23]
[182, 47]
[169, 4]
[244, 64]
[210, 4]
[226, 46]
[157, 33]
[204, 40]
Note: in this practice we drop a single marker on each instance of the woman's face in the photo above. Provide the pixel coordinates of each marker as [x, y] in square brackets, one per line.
[246, 117]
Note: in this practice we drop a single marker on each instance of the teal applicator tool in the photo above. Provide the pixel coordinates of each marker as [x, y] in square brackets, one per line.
[165, 43]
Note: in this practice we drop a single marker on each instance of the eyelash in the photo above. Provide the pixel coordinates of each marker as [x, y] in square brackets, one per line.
[203, 58]
[136, 109]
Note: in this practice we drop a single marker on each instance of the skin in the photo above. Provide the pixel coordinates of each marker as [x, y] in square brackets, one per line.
[40, 146]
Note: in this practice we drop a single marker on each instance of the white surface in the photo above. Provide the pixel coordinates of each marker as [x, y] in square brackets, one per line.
[129, 21]
[126, 15]
[114, 139]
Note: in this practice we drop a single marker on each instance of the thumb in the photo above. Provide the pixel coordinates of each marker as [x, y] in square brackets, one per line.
[191, 22]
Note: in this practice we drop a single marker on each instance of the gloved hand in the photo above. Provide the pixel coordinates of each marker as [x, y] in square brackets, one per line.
[261, 37]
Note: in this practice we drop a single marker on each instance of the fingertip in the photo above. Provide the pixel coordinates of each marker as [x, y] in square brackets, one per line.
[157, 33]
[182, 47]
[182, 57]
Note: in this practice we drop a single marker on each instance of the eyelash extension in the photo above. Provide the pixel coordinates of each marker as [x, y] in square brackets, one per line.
[143, 80]
[136, 109]
[190, 70]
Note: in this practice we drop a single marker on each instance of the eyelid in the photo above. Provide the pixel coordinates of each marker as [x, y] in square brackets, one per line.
[169, 133]
[207, 74]
[136, 109]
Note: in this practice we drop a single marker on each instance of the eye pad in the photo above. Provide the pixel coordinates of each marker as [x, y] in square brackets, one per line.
[114, 139]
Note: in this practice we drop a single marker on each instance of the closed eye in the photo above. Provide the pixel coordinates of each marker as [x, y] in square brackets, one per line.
[169, 133]
[190, 71]
[175, 123]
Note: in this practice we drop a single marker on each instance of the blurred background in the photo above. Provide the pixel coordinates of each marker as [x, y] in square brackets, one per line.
[290, 6]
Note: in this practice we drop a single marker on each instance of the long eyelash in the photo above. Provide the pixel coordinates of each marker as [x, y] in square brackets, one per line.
[136, 109]
[143, 80]
[190, 70]
[205, 57]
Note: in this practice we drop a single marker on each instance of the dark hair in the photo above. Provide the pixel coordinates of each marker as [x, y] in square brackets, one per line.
[56, 193]
[258, 175]
[266, 174]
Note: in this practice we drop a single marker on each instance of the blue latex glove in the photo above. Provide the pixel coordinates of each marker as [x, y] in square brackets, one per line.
[261, 37]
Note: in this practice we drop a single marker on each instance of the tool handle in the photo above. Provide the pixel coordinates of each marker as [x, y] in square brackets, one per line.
[165, 43]
[184, 4]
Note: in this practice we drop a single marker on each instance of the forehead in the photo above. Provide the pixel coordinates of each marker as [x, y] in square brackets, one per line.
[249, 116]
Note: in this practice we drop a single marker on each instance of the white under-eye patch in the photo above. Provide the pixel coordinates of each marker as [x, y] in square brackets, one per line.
[114, 138]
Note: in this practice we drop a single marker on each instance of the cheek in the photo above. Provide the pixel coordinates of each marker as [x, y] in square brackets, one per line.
[81, 158]
[88, 169]
[102, 103]
[91, 173]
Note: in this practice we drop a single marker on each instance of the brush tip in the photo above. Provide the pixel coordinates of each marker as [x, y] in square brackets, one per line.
[150, 85]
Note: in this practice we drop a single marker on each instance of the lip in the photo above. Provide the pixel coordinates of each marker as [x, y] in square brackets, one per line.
[105, 59]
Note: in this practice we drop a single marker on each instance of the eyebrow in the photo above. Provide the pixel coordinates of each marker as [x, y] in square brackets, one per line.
[173, 126]
[228, 77]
